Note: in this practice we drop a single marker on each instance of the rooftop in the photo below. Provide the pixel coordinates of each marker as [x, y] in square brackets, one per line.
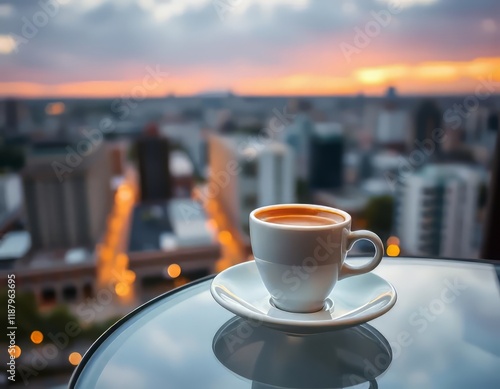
[439, 172]
[180, 164]
[328, 130]
[15, 245]
[169, 225]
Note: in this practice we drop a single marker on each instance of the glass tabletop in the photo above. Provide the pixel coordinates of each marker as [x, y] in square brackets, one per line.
[442, 333]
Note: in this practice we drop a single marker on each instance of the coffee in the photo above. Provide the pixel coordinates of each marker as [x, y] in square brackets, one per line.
[303, 216]
[300, 220]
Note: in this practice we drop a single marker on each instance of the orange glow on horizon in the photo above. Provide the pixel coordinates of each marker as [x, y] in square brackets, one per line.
[424, 77]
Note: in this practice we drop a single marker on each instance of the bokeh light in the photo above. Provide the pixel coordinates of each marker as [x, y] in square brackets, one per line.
[393, 240]
[174, 270]
[393, 250]
[124, 194]
[212, 225]
[129, 276]
[75, 358]
[15, 351]
[122, 289]
[36, 337]
[122, 260]
[54, 109]
[225, 237]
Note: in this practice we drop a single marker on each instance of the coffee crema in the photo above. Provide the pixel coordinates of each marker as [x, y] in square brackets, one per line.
[299, 216]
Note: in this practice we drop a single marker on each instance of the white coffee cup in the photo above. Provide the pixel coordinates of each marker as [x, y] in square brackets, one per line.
[300, 250]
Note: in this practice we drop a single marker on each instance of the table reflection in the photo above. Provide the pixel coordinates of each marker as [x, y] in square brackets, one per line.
[271, 358]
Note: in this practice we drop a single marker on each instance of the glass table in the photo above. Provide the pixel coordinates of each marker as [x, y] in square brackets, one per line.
[443, 332]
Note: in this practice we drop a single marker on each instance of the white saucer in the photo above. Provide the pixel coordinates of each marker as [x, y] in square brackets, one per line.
[353, 301]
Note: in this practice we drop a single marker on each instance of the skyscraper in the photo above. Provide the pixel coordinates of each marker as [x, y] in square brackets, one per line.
[392, 128]
[492, 131]
[326, 156]
[190, 136]
[11, 115]
[246, 174]
[153, 159]
[71, 213]
[298, 137]
[493, 121]
[436, 211]
[427, 118]
[392, 123]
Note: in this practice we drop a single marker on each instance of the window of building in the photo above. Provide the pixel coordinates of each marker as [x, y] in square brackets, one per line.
[88, 291]
[249, 168]
[250, 201]
[69, 293]
[48, 296]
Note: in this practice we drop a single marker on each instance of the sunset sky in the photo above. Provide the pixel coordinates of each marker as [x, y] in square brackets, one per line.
[104, 48]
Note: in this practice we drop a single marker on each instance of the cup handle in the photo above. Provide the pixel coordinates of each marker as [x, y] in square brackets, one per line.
[348, 270]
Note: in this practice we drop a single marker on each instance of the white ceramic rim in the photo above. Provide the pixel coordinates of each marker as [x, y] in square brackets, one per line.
[345, 215]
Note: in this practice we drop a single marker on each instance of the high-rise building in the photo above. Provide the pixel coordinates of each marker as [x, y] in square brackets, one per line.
[246, 174]
[436, 210]
[392, 128]
[476, 124]
[326, 156]
[298, 136]
[71, 212]
[12, 115]
[427, 118]
[154, 172]
[182, 171]
[15, 119]
[493, 121]
[191, 137]
[118, 155]
[489, 136]
[392, 123]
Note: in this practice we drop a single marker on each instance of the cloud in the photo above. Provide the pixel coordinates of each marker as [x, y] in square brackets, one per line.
[6, 10]
[112, 40]
[7, 44]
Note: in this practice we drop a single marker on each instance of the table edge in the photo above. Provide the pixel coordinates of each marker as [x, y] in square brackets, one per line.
[106, 334]
[92, 349]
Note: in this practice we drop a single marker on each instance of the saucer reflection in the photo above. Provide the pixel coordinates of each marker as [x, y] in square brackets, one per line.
[273, 359]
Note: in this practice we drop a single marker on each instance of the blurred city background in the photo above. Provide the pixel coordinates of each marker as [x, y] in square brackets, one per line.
[137, 136]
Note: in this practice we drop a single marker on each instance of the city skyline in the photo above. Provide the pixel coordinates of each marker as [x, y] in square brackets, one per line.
[105, 48]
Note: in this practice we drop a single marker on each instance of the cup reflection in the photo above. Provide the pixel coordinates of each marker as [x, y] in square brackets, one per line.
[274, 359]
